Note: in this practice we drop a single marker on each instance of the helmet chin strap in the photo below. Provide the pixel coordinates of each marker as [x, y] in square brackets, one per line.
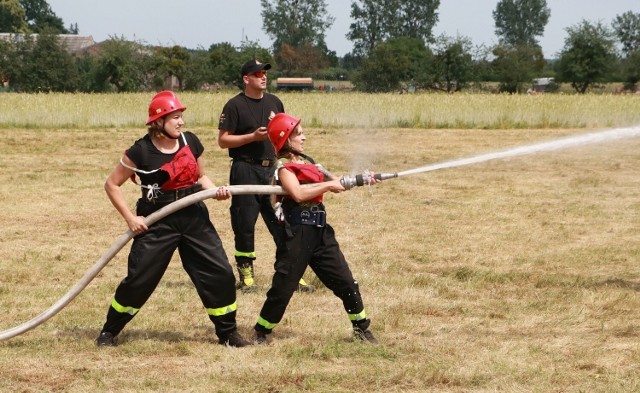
[298, 153]
[306, 157]
[165, 133]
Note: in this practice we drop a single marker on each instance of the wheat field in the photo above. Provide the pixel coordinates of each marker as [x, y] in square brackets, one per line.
[337, 110]
[513, 275]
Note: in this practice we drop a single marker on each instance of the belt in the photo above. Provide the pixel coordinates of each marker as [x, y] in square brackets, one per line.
[256, 161]
[167, 196]
[314, 215]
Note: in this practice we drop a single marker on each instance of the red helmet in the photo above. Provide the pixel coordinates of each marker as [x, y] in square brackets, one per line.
[162, 104]
[279, 129]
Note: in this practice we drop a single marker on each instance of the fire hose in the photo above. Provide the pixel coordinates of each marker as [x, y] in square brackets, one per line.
[347, 181]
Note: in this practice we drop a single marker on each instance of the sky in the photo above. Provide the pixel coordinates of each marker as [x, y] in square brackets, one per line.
[199, 23]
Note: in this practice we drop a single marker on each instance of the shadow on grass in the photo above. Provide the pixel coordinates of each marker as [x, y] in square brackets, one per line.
[617, 282]
[132, 335]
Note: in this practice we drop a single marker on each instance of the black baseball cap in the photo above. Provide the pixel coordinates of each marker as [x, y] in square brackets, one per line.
[253, 66]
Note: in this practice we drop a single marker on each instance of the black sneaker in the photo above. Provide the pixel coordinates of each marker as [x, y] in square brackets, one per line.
[260, 337]
[234, 340]
[364, 335]
[106, 339]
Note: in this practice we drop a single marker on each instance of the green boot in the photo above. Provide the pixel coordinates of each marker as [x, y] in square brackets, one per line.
[245, 277]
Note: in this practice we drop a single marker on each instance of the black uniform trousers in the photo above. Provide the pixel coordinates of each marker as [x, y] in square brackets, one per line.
[318, 248]
[245, 209]
[203, 258]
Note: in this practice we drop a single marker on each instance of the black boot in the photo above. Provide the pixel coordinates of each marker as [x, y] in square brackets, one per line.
[234, 339]
[260, 337]
[106, 339]
[364, 335]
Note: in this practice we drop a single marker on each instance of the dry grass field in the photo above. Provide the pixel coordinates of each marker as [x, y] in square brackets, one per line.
[514, 275]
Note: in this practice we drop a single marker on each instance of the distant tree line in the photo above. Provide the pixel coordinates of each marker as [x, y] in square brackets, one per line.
[393, 49]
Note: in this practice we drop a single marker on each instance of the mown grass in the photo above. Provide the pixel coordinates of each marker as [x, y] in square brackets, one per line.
[515, 275]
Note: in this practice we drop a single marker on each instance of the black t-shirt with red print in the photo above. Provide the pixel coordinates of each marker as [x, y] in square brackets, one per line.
[167, 171]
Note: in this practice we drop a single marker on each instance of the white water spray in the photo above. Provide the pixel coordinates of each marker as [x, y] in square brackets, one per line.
[348, 181]
[596, 137]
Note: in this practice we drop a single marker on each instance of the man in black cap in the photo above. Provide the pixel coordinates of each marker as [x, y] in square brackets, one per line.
[243, 130]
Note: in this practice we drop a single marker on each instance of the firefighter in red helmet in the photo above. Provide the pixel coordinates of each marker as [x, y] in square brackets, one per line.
[310, 240]
[168, 162]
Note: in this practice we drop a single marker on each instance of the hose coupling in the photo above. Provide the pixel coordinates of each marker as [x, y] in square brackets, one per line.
[350, 181]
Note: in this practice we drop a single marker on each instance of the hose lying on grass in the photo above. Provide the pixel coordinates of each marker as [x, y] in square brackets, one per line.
[347, 181]
[124, 239]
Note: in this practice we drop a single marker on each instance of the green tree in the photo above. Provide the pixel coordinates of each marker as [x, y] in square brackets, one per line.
[251, 50]
[73, 29]
[378, 20]
[482, 63]
[226, 60]
[394, 65]
[173, 62]
[519, 22]
[452, 63]
[351, 61]
[12, 17]
[296, 23]
[298, 27]
[627, 29]
[198, 72]
[8, 62]
[302, 60]
[44, 66]
[587, 55]
[379, 71]
[87, 67]
[369, 27]
[415, 19]
[40, 17]
[516, 65]
[225, 63]
[122, 66]
[631, 70]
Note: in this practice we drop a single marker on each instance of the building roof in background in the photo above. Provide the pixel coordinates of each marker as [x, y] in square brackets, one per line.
[74, 43]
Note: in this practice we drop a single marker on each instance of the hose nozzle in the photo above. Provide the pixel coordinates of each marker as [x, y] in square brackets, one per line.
[349, 181]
